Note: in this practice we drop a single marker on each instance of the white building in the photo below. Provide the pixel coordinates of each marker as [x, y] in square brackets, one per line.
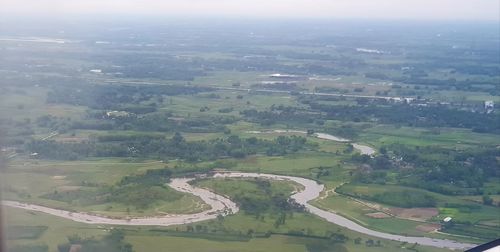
[489, 106]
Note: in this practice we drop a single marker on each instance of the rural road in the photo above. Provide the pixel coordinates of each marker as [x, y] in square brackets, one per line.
[221, 205]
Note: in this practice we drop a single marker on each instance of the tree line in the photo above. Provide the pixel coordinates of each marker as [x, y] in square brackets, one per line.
[175, 147]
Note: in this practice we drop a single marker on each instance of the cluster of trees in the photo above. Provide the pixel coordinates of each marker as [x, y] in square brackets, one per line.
[165, 122]
[430, 116]
[279, 114]
[114, 242]
[398, 114]
[453, 84]
[420, 77]
[176, 147]
[118, 97]
[266, 200]
[447, 171]
[380, 162]
[159, 121]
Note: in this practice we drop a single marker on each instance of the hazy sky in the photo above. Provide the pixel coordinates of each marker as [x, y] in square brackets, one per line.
[387, 9]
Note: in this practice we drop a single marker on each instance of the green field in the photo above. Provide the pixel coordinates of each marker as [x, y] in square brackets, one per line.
[461, 210]
[32, 181]
[145, 238]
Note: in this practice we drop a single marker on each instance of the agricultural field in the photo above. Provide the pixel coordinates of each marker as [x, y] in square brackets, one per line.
[377, 206]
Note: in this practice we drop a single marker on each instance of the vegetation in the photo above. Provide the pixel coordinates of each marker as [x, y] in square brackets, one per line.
[406, 198]
[453, 172]
[140, 191]
[257, 197]
[176, 147]
[105, 126]
[25, 232]
[112, 242]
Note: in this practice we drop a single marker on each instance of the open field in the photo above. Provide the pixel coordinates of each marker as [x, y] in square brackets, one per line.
[484, 213]
[142, 238]
[33, 181]
[385, 135]
[448, 206]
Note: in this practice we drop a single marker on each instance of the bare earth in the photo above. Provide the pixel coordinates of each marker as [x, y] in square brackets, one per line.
[378, 215]
[418, 214]
[428, 227]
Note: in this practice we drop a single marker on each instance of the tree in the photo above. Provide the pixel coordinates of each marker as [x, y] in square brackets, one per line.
[357, 240]
[73, 239]
[349, 148]
[250, 232]
[383, 150]
[127, 248]
[487, 200]
[369, 243]
[177, 139]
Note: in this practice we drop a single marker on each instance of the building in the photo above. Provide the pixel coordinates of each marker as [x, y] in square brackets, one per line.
[114, 114]
[279, 76]
[489, 106]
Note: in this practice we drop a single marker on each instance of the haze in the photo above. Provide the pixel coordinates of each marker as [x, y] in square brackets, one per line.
[380, 9]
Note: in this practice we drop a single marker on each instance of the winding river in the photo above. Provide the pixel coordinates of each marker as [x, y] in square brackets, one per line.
[221, 205]
[363, 149]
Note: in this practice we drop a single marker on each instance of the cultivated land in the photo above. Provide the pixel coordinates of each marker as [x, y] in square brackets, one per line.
[165, 107]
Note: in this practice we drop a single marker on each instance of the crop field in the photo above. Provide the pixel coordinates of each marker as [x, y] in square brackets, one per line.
[384, 135]
[461, 210]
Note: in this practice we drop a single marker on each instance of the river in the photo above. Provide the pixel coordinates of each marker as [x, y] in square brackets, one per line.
[221, 205]
[363, 149]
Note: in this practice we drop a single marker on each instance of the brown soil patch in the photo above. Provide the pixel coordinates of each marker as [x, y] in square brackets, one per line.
[419, 214]
[428, 227]
[250, 160]
[378, 215]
